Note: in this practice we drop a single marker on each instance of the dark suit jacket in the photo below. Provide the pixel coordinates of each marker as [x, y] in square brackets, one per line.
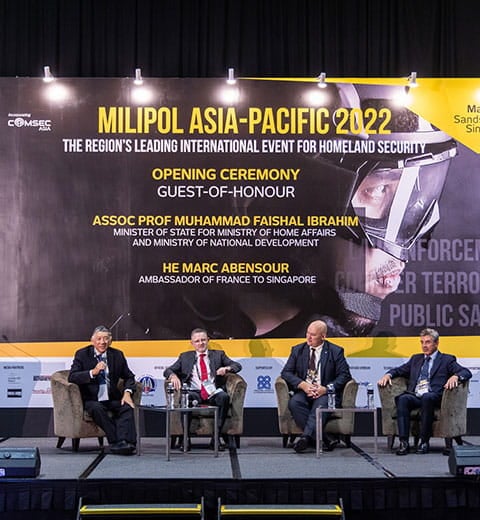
[85, 360]
[444, 366]
[334, 368]
[183, 366]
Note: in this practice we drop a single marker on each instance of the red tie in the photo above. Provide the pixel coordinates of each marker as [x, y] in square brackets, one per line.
[203, 376]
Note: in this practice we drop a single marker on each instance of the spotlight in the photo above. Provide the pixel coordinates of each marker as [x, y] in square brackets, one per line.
[142, 94]
[57, 93]
[47, 75]
[138, 77]
[321, 80]
[412, 80]
[231, 77]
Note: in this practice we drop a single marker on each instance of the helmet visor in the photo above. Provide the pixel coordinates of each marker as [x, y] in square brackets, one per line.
[397, 205]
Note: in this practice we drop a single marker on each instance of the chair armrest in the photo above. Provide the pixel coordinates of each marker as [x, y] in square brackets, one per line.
[349, 395]
[137, 395]
[453, 411]
[388, 393]
[456, 397]
[67, 402]
[64, 393]
[387, 396]
[283, 396]
[236, 388]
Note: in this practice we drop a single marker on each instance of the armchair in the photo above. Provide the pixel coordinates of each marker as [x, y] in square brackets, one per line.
[338, 424]
[450, 420]
[69, 417]
[202, 425]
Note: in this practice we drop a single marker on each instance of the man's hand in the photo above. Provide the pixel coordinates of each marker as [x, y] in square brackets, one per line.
[127, 399]
[452, 382]
[175, 380]
[222, 371]
[313, 391]
[385, 380]
[101, 365]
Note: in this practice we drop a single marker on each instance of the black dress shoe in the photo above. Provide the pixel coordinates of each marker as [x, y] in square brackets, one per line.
[117, 446]
[122, 448]
[114, 448]
[424, 448]
[221, 445]
[330, 444]
[302, 444]
[132, 448]
[404, 448]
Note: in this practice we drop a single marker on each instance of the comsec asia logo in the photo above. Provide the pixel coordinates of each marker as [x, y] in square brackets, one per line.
[149, 385]
[25, 121]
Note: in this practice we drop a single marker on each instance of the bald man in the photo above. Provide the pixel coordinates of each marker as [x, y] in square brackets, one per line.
[313, 367]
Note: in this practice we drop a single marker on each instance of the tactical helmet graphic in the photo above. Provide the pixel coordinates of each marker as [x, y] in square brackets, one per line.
[401, 178]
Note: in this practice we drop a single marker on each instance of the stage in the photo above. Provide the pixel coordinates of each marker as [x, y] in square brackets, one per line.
[261, 471]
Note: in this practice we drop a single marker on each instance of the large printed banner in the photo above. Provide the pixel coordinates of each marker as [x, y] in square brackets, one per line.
[247, 209]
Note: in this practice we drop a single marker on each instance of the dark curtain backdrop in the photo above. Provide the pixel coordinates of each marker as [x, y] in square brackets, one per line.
[203, 38]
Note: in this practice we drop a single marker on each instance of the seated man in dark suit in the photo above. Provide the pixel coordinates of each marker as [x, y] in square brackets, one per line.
[203, 370]
[313, 367]
[428, 374]
[96, 369]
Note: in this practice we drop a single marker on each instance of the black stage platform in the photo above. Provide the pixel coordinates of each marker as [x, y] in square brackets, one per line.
[261, 471]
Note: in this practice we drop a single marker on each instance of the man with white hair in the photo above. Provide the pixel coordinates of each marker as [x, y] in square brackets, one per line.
[96, 369]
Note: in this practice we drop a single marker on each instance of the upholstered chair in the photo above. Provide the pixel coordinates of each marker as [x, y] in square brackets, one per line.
[202, 423]
[69, 418]
[339, 424]
[450, 421]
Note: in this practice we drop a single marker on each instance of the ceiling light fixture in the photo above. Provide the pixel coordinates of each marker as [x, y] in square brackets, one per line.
[321, 80]
[47, 75]
[231, 77]
[412, 80]
[138, 77]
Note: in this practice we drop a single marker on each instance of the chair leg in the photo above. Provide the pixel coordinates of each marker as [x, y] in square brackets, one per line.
[75, 444]
[448, 446]
[60, 442]
[231, 441]
[390, 441]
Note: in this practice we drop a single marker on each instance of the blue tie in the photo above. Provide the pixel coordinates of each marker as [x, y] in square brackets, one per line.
[424, 369]
[101, 378]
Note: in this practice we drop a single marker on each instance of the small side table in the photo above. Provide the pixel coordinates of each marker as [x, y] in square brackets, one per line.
[319, 427]
[185, 411]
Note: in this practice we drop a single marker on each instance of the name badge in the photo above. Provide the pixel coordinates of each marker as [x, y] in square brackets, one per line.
[103, 393]
[209, 387]
[422, 387]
